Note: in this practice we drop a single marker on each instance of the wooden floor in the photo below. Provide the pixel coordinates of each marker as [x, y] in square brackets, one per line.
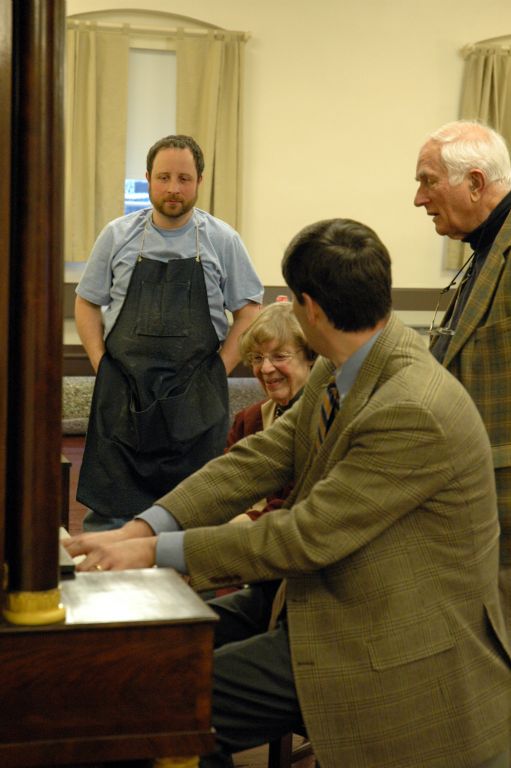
[72, 448]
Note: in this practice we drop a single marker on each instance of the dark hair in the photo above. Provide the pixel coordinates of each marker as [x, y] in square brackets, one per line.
[345, 268]
[177, 142]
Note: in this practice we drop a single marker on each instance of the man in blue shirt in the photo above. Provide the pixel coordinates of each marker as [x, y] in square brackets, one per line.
[151, 313]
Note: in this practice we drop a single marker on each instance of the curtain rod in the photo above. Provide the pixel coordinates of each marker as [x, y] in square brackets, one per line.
[501, 43]
[161, 31]
[484, 46]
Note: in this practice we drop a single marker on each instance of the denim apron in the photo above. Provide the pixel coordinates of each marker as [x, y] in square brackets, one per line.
[160, 405]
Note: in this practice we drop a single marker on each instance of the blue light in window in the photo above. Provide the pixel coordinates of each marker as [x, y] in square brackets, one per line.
[136, 195]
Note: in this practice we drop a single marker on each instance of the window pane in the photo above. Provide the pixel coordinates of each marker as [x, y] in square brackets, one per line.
[136, 195]
[151, 115]
[151, 104]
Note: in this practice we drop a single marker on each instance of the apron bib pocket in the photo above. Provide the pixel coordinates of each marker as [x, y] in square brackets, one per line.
[161, 312]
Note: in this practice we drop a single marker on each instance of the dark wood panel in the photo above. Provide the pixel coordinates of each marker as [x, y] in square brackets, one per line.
[126, 675]
[412, 299]
[5, 188]
[35, 309]
[111, 682]
[76, 362]
[404, 299]
[72, 448]
[122, 751]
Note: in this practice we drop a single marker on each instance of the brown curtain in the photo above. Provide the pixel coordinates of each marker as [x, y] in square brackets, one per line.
[486, 96]
[209, 99]
[96, 100]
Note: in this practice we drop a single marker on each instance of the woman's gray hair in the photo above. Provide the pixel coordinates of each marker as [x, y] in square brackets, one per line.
[466, 145]
[276, 322]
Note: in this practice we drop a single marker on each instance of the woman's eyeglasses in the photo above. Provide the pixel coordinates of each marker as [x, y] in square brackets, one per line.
[275, 358]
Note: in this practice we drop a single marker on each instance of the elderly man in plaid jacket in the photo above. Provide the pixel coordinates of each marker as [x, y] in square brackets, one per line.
[464, 175]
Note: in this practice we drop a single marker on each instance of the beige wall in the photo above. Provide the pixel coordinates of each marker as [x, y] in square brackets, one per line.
[339, 96]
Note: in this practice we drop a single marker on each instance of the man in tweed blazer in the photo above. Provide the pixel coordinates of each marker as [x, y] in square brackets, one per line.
[391, 648]
[464, 175]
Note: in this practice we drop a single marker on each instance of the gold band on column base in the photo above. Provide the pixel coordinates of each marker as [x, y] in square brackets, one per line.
[34, 608]
[176, 762]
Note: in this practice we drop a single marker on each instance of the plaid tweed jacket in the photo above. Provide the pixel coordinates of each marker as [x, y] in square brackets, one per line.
[389, 544]
[479, 355]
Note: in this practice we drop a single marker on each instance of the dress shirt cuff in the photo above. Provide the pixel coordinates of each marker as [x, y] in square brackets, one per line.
[170, 551]
[159, 519]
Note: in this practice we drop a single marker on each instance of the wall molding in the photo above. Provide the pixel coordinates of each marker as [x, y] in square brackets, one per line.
[76, 362]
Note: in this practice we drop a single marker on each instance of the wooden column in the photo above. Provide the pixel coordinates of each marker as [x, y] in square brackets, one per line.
[5, 165]
[126, 673]
[33, 495]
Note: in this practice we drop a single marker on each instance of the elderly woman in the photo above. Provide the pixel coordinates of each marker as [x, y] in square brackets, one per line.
[274, 346]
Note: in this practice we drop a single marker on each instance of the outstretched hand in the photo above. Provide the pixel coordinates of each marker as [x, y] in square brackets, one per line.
[133, 546]
[120, 556]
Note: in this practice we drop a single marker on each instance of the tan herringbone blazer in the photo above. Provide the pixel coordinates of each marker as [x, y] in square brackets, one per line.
[479, 355]
[390, 550]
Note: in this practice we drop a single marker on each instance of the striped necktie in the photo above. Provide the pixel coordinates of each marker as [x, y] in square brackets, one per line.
[328, 411]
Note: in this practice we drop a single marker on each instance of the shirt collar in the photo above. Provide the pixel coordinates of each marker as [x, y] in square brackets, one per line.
[346, 374]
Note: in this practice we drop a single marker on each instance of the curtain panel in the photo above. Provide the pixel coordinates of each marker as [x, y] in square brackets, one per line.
[96, 99]
[485, 96]
[209, 100]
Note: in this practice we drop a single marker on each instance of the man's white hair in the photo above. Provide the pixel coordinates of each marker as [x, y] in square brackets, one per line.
[466, 145]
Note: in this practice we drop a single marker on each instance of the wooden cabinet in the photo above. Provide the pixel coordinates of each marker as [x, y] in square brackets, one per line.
[127, 675]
